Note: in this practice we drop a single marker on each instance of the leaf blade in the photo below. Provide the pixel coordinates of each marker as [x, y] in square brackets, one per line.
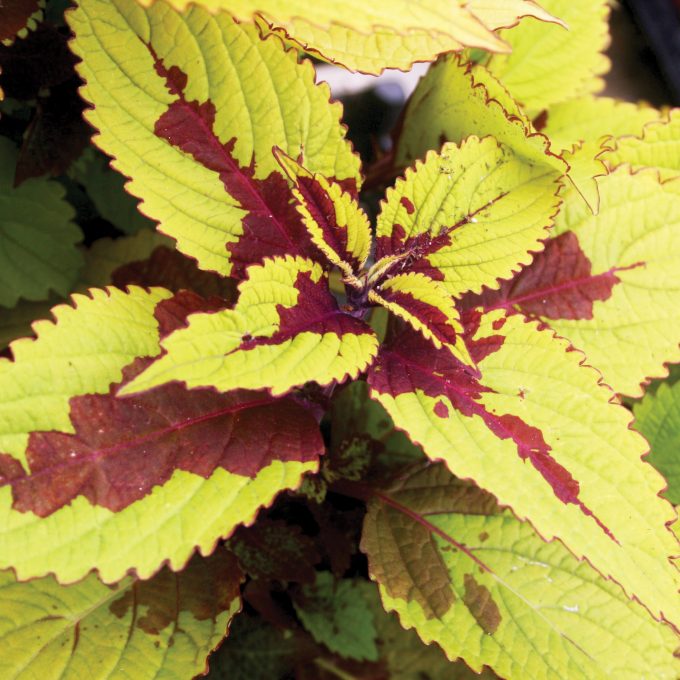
[513, 424]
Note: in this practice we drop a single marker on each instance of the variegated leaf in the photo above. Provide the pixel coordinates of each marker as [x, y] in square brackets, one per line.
[486, 588]
[161, 628]
[536, 428]
[201, 85]
[172, 470]
[468, 216]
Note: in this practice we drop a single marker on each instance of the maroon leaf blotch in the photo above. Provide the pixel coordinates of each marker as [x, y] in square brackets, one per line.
[481, 605]
[124, 447]
[409, 363]
[272, 225]
[558, 284]
[206, 587]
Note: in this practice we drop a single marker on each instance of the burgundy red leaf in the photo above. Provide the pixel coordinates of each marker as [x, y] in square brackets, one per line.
[170, 269]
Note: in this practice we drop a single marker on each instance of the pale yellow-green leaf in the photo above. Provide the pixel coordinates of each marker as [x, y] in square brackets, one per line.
[658, 146]
[384, 47]
[455, 100]
[550, 64]
[637, 330]
[400, 16]
[262, 97]
[580, 129]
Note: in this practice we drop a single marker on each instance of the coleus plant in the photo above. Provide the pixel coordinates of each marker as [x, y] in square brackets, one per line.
[284, 402]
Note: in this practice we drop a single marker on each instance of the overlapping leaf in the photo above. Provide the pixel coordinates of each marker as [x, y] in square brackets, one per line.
[38, 252]
[384, 46]
[486, 588]
[165, 627]
[658, 146]
[610, 283]
[550, 64]
[172, 470]
[106, 189]
[373, 37]
[469, 216]
[285, 330]
[455, 100]
[535, 428]
[100, 261]
[580, 129]
[657, 417]
[189, 142]
[337, 616]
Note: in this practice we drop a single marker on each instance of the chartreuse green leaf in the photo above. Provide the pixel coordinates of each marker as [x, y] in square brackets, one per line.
[337, 615]
[550, 64]
[468, 216]
[285, 330]
[591, 119]
[456, 99]
[383, 46]
[657, 146]
[537, 429]
[579, 130]
[486, 588]
[657, 417]
[161, 628]
[38, 238]
[173, 470]
[201, 85]
[632, 328]
[338, 227]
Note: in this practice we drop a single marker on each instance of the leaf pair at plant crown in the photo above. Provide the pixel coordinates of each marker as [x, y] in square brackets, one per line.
[485, 209]
[486, 588]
